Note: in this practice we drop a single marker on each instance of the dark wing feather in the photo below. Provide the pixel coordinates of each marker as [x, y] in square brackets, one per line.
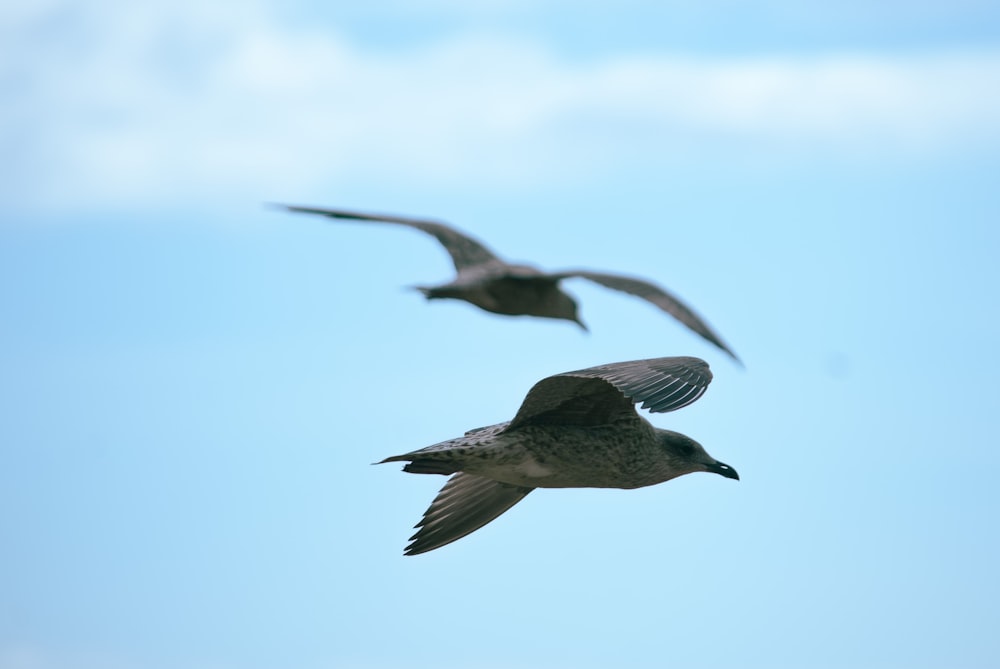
[464, 250]
[465, 504]
[598, 395]
[655, 295]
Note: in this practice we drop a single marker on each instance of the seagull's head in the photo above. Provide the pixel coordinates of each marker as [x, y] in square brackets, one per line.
[684, 455]
[565, 307]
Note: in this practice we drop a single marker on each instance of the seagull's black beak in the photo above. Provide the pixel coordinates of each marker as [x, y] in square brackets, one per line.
[722, 469]
[582, 325]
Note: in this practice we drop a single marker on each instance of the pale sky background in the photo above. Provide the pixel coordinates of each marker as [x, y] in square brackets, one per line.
[194, 386]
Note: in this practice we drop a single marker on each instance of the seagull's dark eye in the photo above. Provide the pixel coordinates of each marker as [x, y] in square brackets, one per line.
[686, 449]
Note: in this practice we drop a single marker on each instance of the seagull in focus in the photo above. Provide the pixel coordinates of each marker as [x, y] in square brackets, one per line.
[492, 284]
[573, 430]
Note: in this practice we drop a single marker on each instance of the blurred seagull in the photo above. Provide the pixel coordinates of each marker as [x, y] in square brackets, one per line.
[573, 430]
[494, 285]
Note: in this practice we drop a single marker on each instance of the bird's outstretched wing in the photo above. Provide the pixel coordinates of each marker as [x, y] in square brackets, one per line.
[656, 295]
[464, 250]
[599, 395]
[465, 504]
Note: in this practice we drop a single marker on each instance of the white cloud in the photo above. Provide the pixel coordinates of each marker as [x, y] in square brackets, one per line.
[112, 103]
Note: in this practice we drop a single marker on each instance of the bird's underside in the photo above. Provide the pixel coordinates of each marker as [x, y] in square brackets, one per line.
[509, 295]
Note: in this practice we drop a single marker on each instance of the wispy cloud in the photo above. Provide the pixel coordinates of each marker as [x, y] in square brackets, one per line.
[125, 103]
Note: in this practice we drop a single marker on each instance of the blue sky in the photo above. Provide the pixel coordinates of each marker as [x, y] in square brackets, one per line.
[194, 385]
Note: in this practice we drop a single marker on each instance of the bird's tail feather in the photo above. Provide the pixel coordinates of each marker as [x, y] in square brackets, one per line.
[427, 466]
